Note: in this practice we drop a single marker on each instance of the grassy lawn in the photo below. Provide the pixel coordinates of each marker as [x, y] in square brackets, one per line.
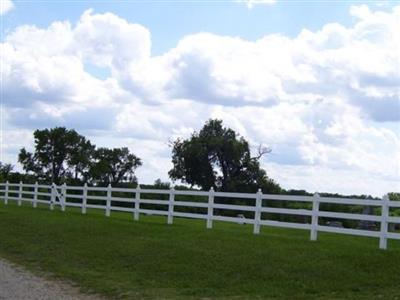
[149, 259]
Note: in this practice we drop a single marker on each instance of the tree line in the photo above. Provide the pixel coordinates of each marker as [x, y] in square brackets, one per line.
[216, 156]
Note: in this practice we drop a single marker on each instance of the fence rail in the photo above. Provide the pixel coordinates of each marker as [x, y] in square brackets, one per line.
[134, 202]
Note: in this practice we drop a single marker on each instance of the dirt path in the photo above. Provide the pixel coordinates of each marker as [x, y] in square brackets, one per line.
[19, 284]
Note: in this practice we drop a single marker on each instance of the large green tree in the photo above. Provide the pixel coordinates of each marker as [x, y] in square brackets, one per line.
[114, 166]
[218, 157]
[59, 153]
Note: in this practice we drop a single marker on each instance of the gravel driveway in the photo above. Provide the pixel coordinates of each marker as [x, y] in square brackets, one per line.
[17, 283]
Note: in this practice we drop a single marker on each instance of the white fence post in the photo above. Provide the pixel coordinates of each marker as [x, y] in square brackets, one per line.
[63, 196]
[257, 212]
[314, 218]
[210, 210]
[384, 222]
[84, 198]
[137, 203]
[53, 196]
[171, 205]
[108, 203]
[35, 195]
[20, 194]
[6, 194]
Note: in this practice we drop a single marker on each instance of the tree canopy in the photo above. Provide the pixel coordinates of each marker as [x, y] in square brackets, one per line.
[111, 166]
[62, 154]
[218, 157]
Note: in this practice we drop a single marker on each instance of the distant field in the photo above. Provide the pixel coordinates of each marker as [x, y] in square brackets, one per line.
[149, 259]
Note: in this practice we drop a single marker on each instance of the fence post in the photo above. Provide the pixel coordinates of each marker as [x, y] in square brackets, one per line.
[384, 222]
[314, 218]
[6, 194]
[257, 212]
[171, 205]
[210, 210]
[137, 203]
[35, 195]
[84, 198]
[63, 196]
[53, 196]
[20, 194]
[108, 203]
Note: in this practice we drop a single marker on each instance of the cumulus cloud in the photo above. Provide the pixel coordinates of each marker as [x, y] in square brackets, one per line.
[5, 6]
[326, 101]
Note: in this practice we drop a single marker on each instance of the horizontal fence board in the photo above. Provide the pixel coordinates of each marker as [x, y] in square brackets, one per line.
[43, 194]
[28, 193]
[393, 235]
[74, 188]
[393, 220]
[125, 190]
[394, 203]
[287, 198]
[25, 185]
[95, 206]
[360, 217]
[149, 191]
[73, 204]
[74, 196]
[361, 202]
[190, 204]
[236, 195]
[154, 212]
[12, 198]
[119, 208]
[287, 211]
[97, 188]
[348, 231]
[191, 193]
[91, 197]
[22, 199]
[285, 224]
[151, 201]
[121, 199]
[233, 207]
[42, 186]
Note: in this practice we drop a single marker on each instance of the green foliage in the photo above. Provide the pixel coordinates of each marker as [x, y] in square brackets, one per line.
[5, 170]
[59, 153]
[62, 155]
[394, 196]
[217, 157]
[112, 166]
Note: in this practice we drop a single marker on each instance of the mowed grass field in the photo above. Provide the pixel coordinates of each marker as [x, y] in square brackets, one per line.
[121, 258]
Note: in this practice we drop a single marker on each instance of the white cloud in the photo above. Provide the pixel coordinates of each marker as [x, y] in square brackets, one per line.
[5, 6]
[326, 101]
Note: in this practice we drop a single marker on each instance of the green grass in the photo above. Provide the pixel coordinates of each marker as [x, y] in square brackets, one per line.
[149, 259]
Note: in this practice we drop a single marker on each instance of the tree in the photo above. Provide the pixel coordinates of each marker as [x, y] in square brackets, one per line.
[59, 154]
[218, 157]
[112, 166]
[5, 170]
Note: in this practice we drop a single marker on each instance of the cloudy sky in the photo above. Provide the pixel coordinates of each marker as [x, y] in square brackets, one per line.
[317, 81]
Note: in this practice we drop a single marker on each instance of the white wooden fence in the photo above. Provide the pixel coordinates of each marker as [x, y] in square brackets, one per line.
[82, 197]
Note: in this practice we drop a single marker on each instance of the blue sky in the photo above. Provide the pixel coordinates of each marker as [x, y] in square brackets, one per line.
[169, 21]
[317, 81]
